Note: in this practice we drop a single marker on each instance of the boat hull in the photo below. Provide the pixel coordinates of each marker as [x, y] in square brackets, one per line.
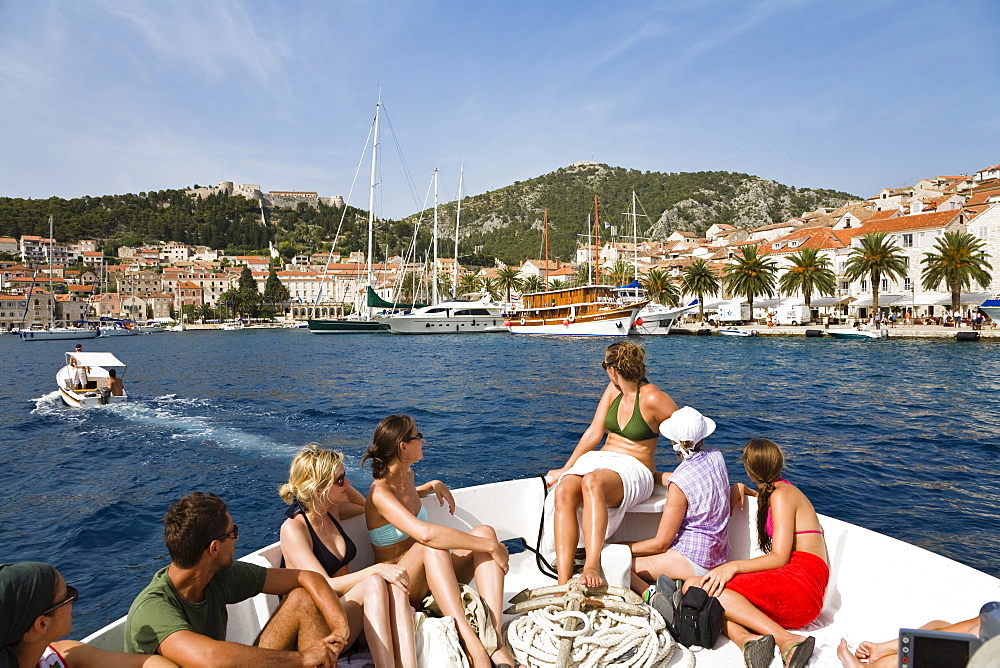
[454, 325]
[991, 307]
[657, 320]
[58, 334]
[857, 335]
[345, 326]
[89, 398]
[861, 561]
[613, 324]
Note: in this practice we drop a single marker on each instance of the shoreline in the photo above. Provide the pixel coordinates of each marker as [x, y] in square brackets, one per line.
[897, 332]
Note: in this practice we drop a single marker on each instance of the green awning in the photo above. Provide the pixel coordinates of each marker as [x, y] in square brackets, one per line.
[374, 301]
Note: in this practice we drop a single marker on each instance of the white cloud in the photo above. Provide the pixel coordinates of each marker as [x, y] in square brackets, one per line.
[212, 37]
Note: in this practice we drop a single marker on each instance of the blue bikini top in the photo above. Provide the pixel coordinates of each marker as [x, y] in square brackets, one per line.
[387, 534]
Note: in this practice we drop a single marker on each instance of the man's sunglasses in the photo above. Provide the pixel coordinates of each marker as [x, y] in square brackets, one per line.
[234, 534]
[71, 595]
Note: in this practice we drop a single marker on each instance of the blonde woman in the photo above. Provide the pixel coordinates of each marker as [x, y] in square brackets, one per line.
[606, 483]
[436, 557]
[374, 598]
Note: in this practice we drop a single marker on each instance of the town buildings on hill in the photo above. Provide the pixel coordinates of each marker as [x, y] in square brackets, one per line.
[167, 279]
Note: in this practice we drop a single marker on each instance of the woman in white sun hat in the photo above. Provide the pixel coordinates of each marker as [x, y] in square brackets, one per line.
[692, 535]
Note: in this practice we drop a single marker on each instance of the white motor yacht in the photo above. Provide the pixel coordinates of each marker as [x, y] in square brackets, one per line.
[458, 316]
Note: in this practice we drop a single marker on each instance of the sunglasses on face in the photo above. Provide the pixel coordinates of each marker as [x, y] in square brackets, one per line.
[234, 534]
[340, 480]
[607, 365]
[71, 595]
[414, 438]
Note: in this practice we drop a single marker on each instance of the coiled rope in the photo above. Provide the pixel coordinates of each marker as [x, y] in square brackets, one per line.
[605, 637]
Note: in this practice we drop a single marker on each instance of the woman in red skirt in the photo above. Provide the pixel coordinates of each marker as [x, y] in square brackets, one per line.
[783, 588]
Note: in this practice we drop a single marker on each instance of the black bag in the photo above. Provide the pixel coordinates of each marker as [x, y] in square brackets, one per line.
[699, 619]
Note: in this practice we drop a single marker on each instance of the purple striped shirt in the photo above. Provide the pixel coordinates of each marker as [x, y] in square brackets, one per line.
[703, 536]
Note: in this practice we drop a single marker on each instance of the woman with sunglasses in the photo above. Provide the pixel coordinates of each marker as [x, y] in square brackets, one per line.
[606, 483]
[36, 609]
[436, 557]
[374, 598]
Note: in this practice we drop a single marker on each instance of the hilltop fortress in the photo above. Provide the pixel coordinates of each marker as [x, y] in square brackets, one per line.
[283, 198]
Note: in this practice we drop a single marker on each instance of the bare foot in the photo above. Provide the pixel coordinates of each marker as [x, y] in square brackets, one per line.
[845, 656]
[591, 577]
[873, 651]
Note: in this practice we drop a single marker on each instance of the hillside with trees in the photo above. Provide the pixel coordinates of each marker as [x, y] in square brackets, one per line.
[504, 223]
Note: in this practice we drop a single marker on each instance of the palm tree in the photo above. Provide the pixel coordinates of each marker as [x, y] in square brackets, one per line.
[700, 279]
[661, 287]
[877, 256]
[467, 283]
[621, 273]
[750, 276]
[959, 260]
[509, 278]
[810, 272]
[444, 284]
[532, 283]
[491, 287]
[581, 276]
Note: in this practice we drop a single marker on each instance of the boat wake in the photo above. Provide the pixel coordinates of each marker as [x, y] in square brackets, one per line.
[195, 428]
[52, 404]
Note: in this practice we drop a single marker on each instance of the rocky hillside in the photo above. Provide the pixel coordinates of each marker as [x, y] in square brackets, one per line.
[507, 223]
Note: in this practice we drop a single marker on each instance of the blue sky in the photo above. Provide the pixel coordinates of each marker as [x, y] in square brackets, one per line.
[112, 96]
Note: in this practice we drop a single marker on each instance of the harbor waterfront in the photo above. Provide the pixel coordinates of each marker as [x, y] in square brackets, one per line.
[898, 436]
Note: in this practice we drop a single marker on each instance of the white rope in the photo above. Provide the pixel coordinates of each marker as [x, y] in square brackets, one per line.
[606, 636]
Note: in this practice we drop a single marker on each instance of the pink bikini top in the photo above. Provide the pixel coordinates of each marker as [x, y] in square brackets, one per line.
[769, 525]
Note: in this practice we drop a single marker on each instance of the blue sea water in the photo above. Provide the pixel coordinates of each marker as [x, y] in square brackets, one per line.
[899, 436]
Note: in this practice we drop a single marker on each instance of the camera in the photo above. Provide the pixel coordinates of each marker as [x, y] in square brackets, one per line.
[920, 648]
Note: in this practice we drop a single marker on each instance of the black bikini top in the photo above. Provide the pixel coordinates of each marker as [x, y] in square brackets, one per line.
[326, 558]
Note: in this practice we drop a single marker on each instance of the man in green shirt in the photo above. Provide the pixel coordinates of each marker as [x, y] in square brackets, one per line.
[182, 615]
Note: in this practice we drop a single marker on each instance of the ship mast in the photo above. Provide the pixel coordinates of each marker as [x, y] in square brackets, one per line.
[434, 267]
[546, 228]
[371, 201]
[597, 241]
[458, 219]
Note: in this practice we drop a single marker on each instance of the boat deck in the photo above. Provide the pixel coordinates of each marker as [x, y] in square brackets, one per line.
[877, 584]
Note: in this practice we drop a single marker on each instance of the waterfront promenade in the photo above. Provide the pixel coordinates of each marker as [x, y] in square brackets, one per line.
[987, 333]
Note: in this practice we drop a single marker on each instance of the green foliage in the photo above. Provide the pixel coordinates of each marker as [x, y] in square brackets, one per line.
[509, 278]
[958, 259]
[661, 287]
[507, 223]
[698, 278]
[532, 283]
[877, 256]
[751, 276]
[810, 272]
[274, 292]
[467, 283]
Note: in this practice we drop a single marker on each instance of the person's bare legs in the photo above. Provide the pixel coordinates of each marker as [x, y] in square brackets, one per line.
[884, 653]
[671, 563]
[744, 613]
[401, 617]
[367, 606]
[489, 583]
[437, 567]
[568, 497]
[297, 624]
[602, 489]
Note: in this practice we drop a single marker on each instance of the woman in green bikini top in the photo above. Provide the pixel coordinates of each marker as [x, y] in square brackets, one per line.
[431, 553]
[605, 483]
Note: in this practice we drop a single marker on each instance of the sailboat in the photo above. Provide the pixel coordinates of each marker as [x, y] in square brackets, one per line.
[359, 323]
[475, 314]
[53, 332]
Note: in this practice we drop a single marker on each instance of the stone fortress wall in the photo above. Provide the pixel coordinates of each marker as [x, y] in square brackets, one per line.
[280, 198]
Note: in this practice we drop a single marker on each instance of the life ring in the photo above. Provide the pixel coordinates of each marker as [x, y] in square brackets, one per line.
[572, 318]
[522, 321]
[506, 323]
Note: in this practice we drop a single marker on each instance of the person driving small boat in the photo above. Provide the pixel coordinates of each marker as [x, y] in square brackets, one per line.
[436, 557]
[606, 483]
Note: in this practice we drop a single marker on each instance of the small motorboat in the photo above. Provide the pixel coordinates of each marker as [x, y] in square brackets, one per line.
[737, 332]
[119, 328]
[858, 333]
[94, 393]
